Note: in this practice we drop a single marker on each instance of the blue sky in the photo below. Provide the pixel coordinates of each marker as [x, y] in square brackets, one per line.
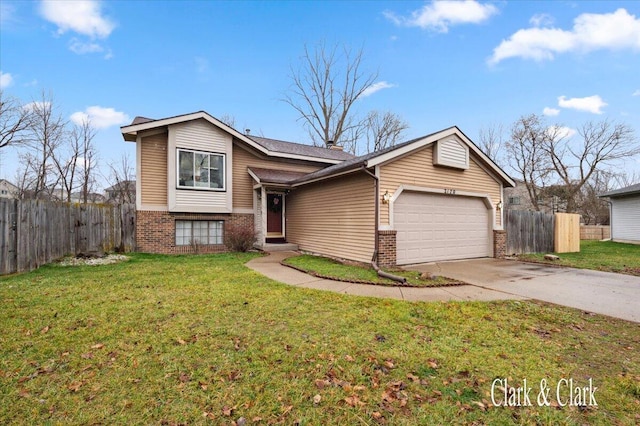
[440, 64]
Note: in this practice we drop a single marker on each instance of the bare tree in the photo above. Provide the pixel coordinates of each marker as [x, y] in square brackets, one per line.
[15, 119]
[83, 135]
[527, 149]
[122, 179]
[324, 90]
[576, 162]
[228, 119]
[624, 179]
[383, 130]
[46, 133]
[491, 142]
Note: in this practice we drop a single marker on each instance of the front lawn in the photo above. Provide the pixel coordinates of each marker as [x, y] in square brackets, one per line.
[205, 340]
[332, 269]
[598, 255]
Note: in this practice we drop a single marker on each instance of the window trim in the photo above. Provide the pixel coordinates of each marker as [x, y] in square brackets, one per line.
[200, 188]
[191, 221]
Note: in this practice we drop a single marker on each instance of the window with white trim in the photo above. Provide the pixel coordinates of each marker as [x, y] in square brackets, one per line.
[199, 232]
[201, 170]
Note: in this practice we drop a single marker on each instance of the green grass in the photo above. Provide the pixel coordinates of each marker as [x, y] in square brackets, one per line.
[205, 340]
[332, 269]
[598, 255]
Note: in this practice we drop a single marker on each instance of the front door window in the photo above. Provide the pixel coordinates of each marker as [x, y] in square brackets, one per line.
[275, 206]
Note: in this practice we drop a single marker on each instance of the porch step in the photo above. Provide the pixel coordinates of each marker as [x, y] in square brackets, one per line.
[279, 247]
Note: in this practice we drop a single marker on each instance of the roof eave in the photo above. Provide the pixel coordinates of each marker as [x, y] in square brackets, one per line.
[130, 134]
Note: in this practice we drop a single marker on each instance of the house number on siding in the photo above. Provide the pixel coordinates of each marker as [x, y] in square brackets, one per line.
[449, 191]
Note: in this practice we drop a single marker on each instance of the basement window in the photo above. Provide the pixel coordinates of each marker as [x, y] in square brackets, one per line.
[205, 232]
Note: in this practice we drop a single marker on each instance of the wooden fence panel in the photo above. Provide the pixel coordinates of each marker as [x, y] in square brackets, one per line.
[567, 233]
[8, 229]
[529, 232]
[595, 232]
[33, 233]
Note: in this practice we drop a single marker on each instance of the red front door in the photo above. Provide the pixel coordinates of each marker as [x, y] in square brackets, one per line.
[275, 206]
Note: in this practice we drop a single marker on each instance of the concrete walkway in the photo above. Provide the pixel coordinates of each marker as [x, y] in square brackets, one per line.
[270, 266]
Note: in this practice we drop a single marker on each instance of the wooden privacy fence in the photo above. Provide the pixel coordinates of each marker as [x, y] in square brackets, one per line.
[33, 233]
[538, 232]
[595, 232]
[529, 232]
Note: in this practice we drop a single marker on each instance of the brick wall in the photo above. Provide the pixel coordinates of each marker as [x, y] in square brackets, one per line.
[156, 231]
[499, 244]
[386, 248]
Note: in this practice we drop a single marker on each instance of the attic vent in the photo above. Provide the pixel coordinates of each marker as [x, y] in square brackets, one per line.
[451, 153]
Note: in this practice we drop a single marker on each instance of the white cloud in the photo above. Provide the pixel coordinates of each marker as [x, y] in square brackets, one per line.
[593, 104]
[550, 112]
[561, 132]
[100, 117]
[5, 80]
[615, 31]
[541, 20]
[40, 106]
[439, 15]
[81, 47]
[636, 93]
[376, 87]
[82, 16]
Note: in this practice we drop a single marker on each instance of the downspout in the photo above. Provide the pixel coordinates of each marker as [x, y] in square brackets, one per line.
[374, 258]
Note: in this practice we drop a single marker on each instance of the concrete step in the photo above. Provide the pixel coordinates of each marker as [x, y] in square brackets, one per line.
[279, 247]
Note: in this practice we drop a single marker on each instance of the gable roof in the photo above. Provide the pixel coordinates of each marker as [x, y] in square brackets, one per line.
[300, 149]
[622, 192]
[396, 151]
[269, 147]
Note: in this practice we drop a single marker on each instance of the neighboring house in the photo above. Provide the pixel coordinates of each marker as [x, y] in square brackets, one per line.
[625, 213]
[121, 192]
[437, 197]
[8, 190]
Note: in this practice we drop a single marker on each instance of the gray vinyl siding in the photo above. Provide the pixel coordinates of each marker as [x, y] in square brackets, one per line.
[625, 218]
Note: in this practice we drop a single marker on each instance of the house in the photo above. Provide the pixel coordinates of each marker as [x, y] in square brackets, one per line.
[8, 190]
[122, 192]
[625, 213]
[437, 197]
[517, 198]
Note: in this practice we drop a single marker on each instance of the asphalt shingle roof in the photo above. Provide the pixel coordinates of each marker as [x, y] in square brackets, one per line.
[275, 176]
[301, 149]
[627, 190]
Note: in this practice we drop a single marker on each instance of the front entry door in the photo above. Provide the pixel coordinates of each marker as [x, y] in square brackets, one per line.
[275, 209]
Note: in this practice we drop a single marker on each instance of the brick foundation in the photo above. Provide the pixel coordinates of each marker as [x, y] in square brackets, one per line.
[499, 244]
[156, 231]
[387, 248]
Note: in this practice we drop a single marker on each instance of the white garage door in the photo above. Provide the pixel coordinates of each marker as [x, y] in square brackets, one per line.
[440, 227]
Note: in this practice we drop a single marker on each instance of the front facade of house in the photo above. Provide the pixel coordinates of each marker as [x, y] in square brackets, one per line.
[625, 214]
[433, 198]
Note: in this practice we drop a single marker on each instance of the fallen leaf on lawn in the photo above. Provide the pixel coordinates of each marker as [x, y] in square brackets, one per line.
[180, 341]
[286, 409]
[433, 364]
[317, 399]
[203, 386]
[359, 388]
[412, 377]
[88, 355]
[74, 386]
[353, 401]
[321, 384]
[376, 415]
[208, 415]
[45, 330]
[241, 421]
[227, 411]
[256, 419]
[479, 404]
[348, 358]
[97, 346]
[184, 377]
[389, 364]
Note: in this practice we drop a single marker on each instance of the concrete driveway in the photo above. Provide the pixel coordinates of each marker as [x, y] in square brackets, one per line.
[616, 295]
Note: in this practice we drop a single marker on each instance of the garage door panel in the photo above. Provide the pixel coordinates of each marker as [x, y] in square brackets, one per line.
[434, 227]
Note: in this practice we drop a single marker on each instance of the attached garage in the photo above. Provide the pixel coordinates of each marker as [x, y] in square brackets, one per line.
[435, 227]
